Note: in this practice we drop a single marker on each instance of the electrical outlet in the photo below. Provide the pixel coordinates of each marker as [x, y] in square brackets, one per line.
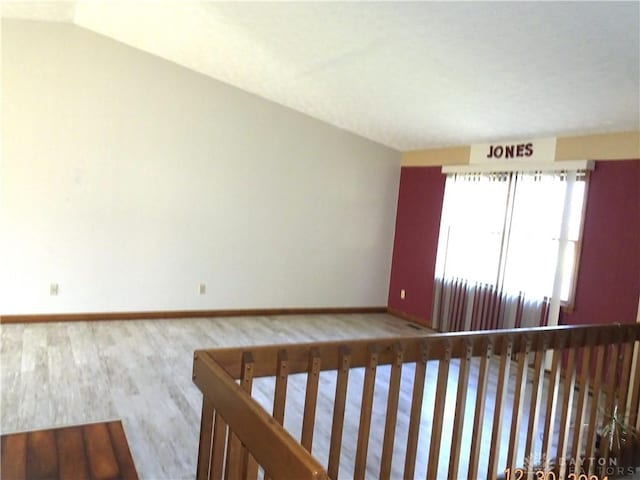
[402, 294]
[202, 289]
[53, 289]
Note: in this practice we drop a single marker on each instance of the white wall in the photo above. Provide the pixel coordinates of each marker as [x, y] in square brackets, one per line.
[129, 180]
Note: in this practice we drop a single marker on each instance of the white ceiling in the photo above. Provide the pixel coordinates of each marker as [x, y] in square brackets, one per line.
[409, 75]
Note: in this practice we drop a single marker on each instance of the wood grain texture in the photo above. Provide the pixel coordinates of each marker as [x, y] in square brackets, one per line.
[518, 401]
[71, 454]
[565, 416]
[377, 364]
[94, 451]
[416, 411]
[310, 400]
[42, 455]
[206, 438]
[337, 425]
[69, 373]
[438, 414]
[501, 394]
[392, 414]
[14, 456]
[550, 411]
[535, 404]
[594, 411]
[51, 372]
[366, 407]
[121, 450]
[216, 464]
[476, 442]
[102, 460]
[461, 404]
[279, 454]
[582, 399]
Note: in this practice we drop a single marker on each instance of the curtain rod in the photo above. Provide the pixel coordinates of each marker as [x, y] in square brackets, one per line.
[520, 167]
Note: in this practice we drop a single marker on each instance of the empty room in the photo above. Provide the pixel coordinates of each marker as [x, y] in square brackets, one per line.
[305, 240]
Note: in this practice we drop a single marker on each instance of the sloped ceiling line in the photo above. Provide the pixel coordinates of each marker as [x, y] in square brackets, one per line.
[406, 74]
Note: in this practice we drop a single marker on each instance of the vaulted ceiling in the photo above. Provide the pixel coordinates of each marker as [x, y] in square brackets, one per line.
[410, 75]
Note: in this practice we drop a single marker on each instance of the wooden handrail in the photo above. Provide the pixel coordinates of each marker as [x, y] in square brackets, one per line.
[272, 446]
[541, 338]
[595, 370]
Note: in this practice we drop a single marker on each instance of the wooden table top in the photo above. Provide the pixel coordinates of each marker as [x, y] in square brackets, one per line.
[93, 451]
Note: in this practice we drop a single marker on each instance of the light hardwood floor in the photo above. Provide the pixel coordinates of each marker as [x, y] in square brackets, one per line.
[60, 374]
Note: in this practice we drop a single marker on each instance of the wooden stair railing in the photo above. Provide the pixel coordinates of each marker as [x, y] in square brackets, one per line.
[539, 418]
[234, 428]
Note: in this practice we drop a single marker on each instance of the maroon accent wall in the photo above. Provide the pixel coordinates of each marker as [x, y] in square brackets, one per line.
[608, 282]
[416, 241]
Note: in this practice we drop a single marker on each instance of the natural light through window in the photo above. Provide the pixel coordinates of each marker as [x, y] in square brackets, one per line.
[516, 233]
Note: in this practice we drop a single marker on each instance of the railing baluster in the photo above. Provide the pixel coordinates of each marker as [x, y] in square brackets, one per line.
[223, 454]
[501, 393]
[581, 408]
[365, 413]
[610, 395]
[534, 410]
[238, 464]
[622, 388]
[342, 382]
[438, 413]
[552, 405]
[416, 411]
[461, 403]
[233, 464]
[593, 408]
[392, 413]
[249, 464]
[623, 385]
[206, 434]
[634, 398]
[565, 417]
[280, 393]
[216, 466]
[481, 390]
[518, 401]
[310, 399]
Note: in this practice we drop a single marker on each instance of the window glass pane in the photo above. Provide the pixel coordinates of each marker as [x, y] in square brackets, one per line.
[530, 267]
[472, 227]
[577, 203]
[505, 229]
[537, 209]
[530, 261]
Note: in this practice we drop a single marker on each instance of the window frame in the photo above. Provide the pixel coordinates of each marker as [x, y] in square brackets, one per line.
[568, 306]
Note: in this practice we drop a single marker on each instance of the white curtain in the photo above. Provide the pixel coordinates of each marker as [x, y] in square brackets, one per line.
[507, 246]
